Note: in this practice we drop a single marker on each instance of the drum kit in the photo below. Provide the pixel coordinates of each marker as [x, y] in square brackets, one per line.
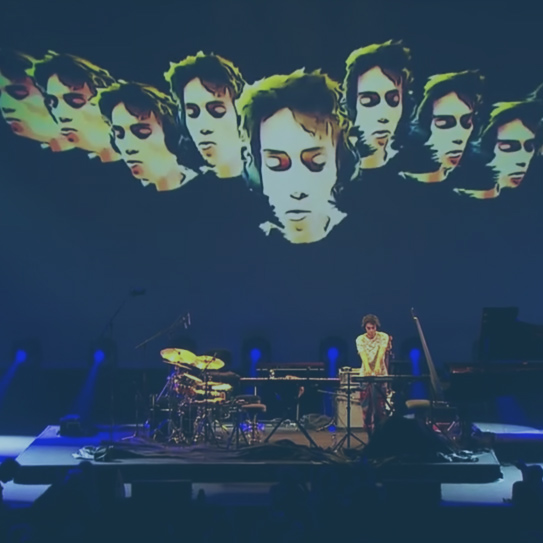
[193, 404]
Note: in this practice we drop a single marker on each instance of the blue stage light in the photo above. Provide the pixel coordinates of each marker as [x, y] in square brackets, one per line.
[333, 354]
[99, 356]
[21, 356]
[414, 356]
[255, 354]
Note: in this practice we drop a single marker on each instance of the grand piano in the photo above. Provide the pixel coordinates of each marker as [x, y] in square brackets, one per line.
[510, 359]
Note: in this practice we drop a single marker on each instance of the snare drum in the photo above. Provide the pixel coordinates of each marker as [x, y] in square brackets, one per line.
[184, 383]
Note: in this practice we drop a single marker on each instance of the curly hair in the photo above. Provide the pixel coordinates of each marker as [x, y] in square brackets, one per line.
[72, 71]
[371, 319]
[16, 66]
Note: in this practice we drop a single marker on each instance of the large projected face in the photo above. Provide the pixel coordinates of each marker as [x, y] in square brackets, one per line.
[23, 108]
[298, 173]
[141, 142]
[513, 152]
[79, 118]
[451, 127]
[378, 107]
[212, 123]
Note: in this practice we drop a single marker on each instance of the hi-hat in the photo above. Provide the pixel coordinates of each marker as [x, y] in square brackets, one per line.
[178, 357]
[206, 362]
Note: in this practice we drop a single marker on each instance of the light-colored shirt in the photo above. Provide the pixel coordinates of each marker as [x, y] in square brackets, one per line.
[373, 353]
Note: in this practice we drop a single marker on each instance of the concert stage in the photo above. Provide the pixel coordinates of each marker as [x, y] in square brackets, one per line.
[50, 455]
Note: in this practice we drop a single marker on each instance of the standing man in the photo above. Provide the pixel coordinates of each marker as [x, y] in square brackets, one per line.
[374, 349]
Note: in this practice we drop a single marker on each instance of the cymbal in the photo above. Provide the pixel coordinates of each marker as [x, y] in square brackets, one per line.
[206, 362]
[187, 375]
[210, 385]
[212, 400]
[210, 393]
[177, 357]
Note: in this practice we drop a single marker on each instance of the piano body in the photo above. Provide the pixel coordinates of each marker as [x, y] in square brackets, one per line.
[510, 359]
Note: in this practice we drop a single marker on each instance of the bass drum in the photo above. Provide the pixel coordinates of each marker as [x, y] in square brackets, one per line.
[357, 417]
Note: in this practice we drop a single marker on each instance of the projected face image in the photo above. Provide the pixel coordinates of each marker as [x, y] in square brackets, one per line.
[513, 152]
[141, 142]
[79, 119]
[451, 127]
[23, 108]
[298, 173]
[378, 107]
[212, 123]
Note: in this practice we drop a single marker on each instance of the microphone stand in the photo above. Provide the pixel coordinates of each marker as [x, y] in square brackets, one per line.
[108, 332]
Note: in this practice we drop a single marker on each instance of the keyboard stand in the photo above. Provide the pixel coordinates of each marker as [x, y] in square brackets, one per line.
[296, 421]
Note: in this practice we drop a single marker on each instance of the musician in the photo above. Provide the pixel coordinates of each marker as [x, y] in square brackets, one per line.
[373, 348]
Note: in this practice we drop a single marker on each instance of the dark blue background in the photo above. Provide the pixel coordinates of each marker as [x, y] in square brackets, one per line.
[76, 235]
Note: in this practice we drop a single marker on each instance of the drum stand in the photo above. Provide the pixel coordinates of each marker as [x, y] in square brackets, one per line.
[204, 421]
[349, 433]
[174, 430]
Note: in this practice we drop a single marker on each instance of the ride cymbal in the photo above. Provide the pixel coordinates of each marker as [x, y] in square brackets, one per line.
[206, 362]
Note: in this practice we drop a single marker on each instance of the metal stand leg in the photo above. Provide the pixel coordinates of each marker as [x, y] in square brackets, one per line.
[299, 425]
[236, 431]
[349, 434]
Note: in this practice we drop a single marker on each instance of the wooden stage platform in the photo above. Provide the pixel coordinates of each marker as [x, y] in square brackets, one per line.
[50, 455]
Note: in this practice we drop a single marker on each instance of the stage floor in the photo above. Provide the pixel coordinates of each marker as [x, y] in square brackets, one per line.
[49, 455]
